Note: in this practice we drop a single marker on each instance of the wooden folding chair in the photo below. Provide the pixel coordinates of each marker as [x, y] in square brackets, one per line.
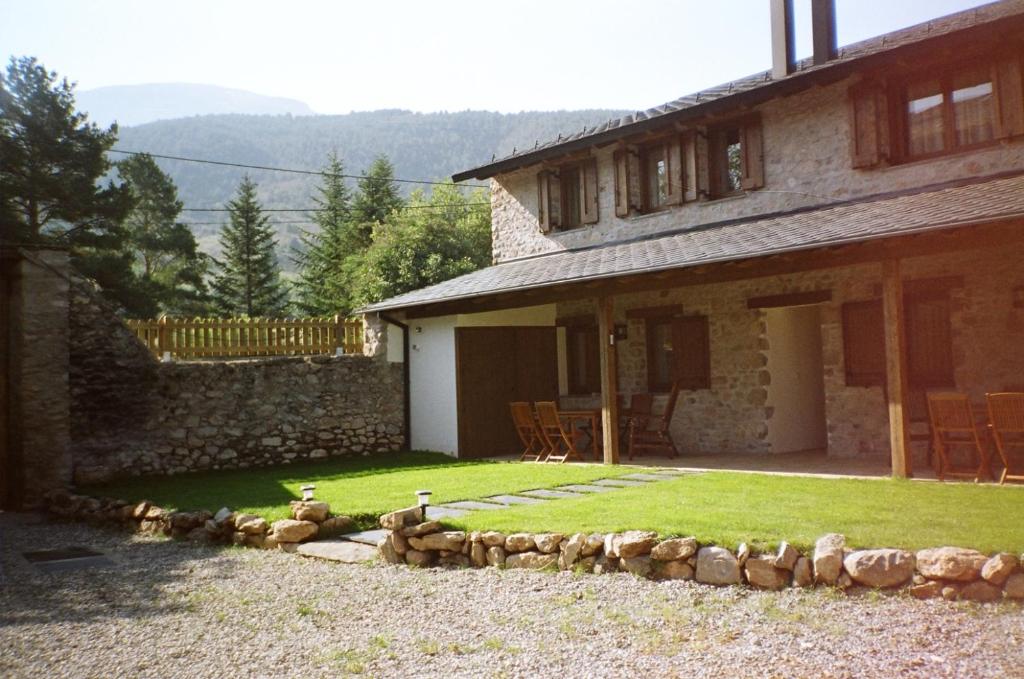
[561, 442]
[655, 433]
[1006, 418]
[954, 429]
[641, 408]
[534, 446]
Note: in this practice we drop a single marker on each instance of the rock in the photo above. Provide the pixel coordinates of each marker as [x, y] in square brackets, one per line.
[238, 538]
[828, 558]
[387, 550]
[880, 567]
[762, 572]
[611, 546]
[673, 570]
[636, 543]
[290, 530]
[717, 566]
[199, 535]
[1014, 586]
[981, 592]
[950, 591]
[402, 518]
[458, 559]
[787, 556]
[844, 581]
[593, 545]
[742, 553]
[270, 542]
[336, 525]
[478, 555]
[547, 543]
[496, 556]
[519, 542]
[951, 563]
[571, 551]
[254, 526]
[674, 549]
[222, 515]
[154, 513]
[341, 551]
[449, 540]
[421, 529]
[586, 564]
[288, 547]
[605, 564]
[415, 557]
[929, 589]
[639, 566]
[493, 538]
[531, 560]
[255, 541]
[999, 567]
[309, 510]
[803, 576]
[237, 520]
[139, 512]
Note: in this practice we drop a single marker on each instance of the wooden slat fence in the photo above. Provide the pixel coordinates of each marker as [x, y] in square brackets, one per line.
[240, 337]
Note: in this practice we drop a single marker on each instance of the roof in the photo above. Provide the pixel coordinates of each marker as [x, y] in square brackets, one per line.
[931, 209]
[762, 84]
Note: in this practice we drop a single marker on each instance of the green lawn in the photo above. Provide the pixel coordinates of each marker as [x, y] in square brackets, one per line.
[728, 508]
[360, 487]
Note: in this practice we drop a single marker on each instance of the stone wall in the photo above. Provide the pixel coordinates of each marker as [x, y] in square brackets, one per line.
[807, 162]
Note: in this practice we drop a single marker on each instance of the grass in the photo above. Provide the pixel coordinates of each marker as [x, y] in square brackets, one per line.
[360, 487]
[728, 508]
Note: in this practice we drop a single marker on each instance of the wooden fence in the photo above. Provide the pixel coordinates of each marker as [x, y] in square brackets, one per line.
[223, 337]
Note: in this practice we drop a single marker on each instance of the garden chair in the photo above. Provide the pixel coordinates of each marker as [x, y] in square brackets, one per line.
[561, 442]
[653, 433]
[534, 446]
[1006, 418]
[954, 429]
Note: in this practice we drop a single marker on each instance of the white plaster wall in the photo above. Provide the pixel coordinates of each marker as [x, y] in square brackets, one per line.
[432, 405]
[797, 391]
[395, 353]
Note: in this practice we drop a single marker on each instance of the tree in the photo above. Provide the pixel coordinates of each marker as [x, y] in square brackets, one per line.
[321, 288]
[165, 255]
[377, 197]
[432, 241]
[249, 281]
[52, 162]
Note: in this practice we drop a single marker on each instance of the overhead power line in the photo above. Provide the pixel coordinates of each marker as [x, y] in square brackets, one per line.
[292, 170]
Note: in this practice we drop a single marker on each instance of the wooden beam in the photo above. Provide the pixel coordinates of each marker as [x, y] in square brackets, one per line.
[789, 299]
[609, 379]
[896, 369]
[655, 311]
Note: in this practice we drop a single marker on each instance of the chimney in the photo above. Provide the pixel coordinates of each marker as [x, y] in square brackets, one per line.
[823, 30]
[783, 52]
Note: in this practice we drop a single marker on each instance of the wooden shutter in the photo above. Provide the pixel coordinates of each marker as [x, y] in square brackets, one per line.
[752, 150]
[1009, 99]
[674, 171]
[689, 173]
[864, 343]
[868, 127]
[588, 191]
[544, 214]
[691, 352]
[621, 161]
[929, 340]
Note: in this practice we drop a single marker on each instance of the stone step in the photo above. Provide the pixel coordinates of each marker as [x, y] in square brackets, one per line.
[548, 494]
[472, 505]
[585, 488]
[341, 550]
[444, 513]
[619, 483]
[366, 537]
[514, 500]
[645, 477]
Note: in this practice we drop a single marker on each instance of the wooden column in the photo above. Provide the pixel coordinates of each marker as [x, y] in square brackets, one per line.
[896, 369]
[609, 380]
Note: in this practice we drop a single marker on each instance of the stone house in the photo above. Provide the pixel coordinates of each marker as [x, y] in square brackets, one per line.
[807, 250]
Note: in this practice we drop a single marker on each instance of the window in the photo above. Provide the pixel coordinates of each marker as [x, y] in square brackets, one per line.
[735, 158]
[950, 113]
[655, 172]
[864, 343]
[678, 351]
[583, 359]
[567, 196]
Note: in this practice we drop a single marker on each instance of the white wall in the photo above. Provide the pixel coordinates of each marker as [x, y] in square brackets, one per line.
[433, 407]
[797, 391]
[395, 354]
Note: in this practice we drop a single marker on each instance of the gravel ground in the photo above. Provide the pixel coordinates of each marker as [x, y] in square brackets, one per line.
[177, 610]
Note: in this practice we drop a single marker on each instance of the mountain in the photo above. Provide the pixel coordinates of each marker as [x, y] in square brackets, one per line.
[428, 146]
[139, 104]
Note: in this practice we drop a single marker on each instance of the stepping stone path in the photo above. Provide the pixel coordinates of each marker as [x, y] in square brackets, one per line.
[360, 547]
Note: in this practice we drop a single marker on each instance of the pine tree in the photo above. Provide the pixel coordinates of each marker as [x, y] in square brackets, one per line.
[376, 199]
[249, 280]
[321, 286]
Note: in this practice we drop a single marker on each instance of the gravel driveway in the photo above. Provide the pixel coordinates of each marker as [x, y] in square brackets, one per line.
[177, 610]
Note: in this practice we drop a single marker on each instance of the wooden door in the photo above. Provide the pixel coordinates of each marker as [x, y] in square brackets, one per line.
[494, 366]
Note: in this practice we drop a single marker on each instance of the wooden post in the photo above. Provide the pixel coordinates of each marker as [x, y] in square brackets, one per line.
[609, 379]
[161, 337]
[896, 369]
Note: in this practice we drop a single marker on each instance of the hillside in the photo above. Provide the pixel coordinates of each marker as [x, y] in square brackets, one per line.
[421, 146]
[140, 104]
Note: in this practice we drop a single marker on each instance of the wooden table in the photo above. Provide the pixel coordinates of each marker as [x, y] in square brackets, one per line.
[593, 417]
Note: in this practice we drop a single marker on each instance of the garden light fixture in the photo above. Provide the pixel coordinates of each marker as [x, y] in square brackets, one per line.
[423, 501]
[307, 492]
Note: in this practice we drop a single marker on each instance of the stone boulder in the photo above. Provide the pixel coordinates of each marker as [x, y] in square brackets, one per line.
[717, 566]
[803, 575]
[336, 525]
[547, 543]
[880, 567]
[253, 525]
[519, 542]
[786, 556]
[290, 530]
[496, 556]
[387, 551]
[951, 563]
[531, 560]
[571, 550]
[930, 589]
[414, 557]
[451, 541]
[1014, 586]
[762, 572]
[421, 529]
[828, 558]
[639, 566]
[400, 519]
[593, 545]
[635, 543]
[493, 538]
[675, 549]
[981, 592]
[999, 567]
[478, 555]
[309, 510]
[673, 570]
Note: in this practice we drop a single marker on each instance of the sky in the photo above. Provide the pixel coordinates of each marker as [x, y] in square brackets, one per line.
[429, 56]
